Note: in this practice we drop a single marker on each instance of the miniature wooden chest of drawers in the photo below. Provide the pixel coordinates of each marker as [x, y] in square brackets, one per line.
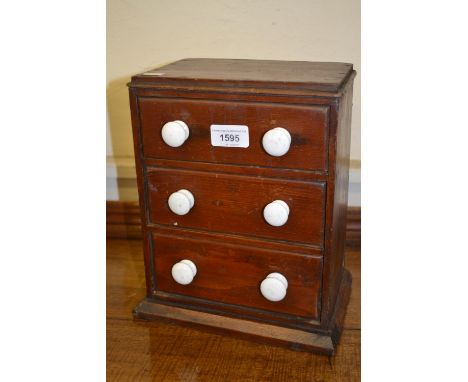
[242, 170]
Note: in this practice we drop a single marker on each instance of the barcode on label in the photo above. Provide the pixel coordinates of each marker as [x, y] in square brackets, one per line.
[230, 135]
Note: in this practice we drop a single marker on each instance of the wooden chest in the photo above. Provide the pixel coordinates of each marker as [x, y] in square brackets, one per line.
[242, 172]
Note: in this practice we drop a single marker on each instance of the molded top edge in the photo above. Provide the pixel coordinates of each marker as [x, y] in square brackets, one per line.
[240, 73]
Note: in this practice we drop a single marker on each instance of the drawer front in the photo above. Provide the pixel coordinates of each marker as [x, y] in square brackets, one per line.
[307, 126]
[231, 274]
[234, 204]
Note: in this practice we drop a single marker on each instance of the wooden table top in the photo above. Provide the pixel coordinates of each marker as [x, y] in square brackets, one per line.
[160, 351]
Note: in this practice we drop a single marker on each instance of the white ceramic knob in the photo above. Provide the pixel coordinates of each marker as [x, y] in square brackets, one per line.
[277, 141]
[274, 287]
[276, 213]
[183, 272]
[175, 133]
[181, 202]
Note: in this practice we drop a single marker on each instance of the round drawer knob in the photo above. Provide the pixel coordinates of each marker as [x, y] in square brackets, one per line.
[183, 272]
[277, 141]
[181, 202]
[274, 287]
[276, 213]
[175, 133]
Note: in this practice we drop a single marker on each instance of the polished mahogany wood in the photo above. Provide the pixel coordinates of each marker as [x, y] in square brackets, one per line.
[289, 89]
[234, 204]
[217, 307]
[232, 274]
[315, 76]
[123, 222]
[337, 203]
[306, 124]
[232, 168]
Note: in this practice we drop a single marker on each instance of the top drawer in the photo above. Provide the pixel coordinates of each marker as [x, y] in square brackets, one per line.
[307, 126]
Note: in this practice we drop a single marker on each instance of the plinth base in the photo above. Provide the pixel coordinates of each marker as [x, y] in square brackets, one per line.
[318, 341]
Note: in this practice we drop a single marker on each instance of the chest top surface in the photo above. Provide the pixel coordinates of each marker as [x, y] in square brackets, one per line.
[311, 76]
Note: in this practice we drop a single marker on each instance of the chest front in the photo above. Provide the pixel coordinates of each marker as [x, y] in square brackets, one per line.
[242, 170]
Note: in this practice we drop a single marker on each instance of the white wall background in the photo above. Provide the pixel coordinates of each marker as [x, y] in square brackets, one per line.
[145, 34]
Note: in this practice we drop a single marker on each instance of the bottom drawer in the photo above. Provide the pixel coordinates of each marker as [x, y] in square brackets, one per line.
[233, 274]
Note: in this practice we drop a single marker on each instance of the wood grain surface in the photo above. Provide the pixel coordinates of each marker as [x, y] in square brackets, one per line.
[234, 204]
[319, 76]
[313, 100]
[123, 222]
[306, 124]
[161, 351]
[232, 274]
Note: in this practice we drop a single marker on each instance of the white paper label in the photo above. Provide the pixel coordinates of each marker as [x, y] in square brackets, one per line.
[230, 135]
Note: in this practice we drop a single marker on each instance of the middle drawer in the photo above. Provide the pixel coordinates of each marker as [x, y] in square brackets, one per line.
[234, 204]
